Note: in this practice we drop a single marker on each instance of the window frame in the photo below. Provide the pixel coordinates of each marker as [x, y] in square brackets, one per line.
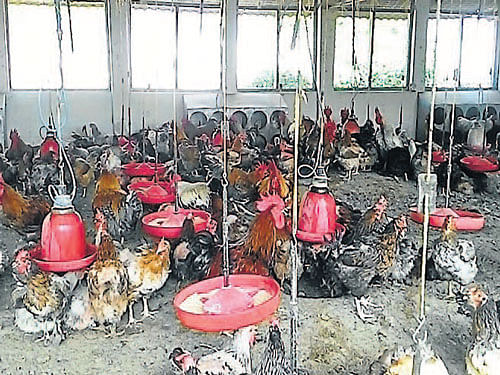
[372, 13]
[277, 88]
[461, 16]
[108, 49]
[176, 6]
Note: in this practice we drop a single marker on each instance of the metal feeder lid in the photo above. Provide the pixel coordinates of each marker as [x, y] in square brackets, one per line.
[62, 202]
[320, 179]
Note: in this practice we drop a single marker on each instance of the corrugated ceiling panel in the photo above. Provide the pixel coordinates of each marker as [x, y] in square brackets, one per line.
[486, 7]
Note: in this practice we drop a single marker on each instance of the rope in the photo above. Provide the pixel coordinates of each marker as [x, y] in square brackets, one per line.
[428, 176]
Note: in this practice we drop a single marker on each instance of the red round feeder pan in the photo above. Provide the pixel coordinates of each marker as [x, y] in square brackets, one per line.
[144, 169]
[64, 266]
[151, 192]
[352, 127]
[228, 308]
[168, 223]
[439, 157]
[480, 164]
[464, 220]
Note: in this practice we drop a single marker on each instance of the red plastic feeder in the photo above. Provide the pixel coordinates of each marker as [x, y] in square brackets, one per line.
[151, 192]
[227, 308]
[318, 213]
[480, 164]
[351, 126]
[168, 223]
[63, 246]
[49, 145]
[464, 220]
[439, 157]
[144, 169]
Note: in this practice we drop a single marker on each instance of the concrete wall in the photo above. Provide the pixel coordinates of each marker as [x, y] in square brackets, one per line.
[22, 109]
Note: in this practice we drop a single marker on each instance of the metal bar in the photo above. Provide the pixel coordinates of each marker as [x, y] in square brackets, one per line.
[279, 18]
[372, 38]
[460, 50]
[176, 60]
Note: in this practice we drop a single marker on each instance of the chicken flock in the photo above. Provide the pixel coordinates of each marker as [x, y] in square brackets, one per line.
[374, 249]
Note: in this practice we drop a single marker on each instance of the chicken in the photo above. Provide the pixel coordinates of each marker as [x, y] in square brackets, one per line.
[274, 360]
[274, 183]
[18, 149]
[45, 295]
[360, 263]
[246, 184]
[406, 261]
[193, 254]
[452, 259]
[372, 220]
[194, 195]
[107, 282]
[84, 174]
[189, 157]
[350, 155]
[43, 174]
[267, 231]
[483, 355]
[233, 361]
[79, 314]
[27, 213]
[147, 273]
[122, 210]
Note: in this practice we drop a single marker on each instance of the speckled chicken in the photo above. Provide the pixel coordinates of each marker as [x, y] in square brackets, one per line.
[44, 294]
[236, 360]
[483, 355]
[107, 282]
[122, 210]
[274, 360]
[147, 273]
[372, 221]
[452, 259]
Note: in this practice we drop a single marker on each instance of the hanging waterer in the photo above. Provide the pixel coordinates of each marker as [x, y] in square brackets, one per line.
[63, 247]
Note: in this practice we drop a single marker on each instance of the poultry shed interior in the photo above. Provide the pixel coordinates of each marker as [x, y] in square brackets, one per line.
[231, 187]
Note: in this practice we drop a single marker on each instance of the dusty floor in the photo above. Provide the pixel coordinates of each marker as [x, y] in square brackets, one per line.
[333, 340]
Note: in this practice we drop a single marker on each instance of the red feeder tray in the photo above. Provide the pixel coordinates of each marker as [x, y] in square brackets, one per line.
[321, 237]
[480, 164]
[151, 192]
[168, 223]
[464, 220]
[439, 157]
[64, 266]
[144, 169]
[228, 308]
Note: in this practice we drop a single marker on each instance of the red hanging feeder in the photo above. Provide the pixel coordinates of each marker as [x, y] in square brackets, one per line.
[49, 146]
[144, 169]
[318, 213]
[439, 157]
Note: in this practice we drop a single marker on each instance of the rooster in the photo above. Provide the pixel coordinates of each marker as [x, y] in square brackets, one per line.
[121, 210]
[483, 355]
[107, 282]
[267, 232]
[452, 259]
[147, 273]
[232, 361]
[244, 184]
[274, 183]
[45, 295]
[193, 254]
[18, 150]
[274, 361]
[24, 213]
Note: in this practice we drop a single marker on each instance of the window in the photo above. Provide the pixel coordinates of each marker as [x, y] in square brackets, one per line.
[381, 64]
[34, 50]
[265, 57]
[154, 32]
[465, 52]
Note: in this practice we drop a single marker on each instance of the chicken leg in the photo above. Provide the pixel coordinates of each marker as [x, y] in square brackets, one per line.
[146, 313]
[362, 308]
[131, 320]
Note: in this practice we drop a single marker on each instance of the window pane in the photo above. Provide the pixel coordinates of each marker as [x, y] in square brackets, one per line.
[199, 51]
[448, 51]
[34, 51]
[153, 48]
[292, 60]
[257, 38]
[477, 66]
[390, 52]
[344, 77]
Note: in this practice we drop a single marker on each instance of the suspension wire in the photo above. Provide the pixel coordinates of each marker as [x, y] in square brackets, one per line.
[225, 136]
[427, 178]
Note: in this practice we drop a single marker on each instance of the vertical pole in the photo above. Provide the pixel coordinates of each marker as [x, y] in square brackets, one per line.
[294, 249]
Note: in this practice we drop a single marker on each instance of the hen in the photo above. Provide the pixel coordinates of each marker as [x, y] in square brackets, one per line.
[452, 259]
[372, 220]
[483, 355]
[147, 273]
[233, 361]
[267, 232]
[107, 282]
[121, 210]
[45, 295]
[350, 155]
[84, 174]
[360, 263]
[193, 254]
[26, 214]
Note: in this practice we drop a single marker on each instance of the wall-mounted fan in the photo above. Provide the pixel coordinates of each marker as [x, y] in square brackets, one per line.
[258, 120]
[198, 118]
